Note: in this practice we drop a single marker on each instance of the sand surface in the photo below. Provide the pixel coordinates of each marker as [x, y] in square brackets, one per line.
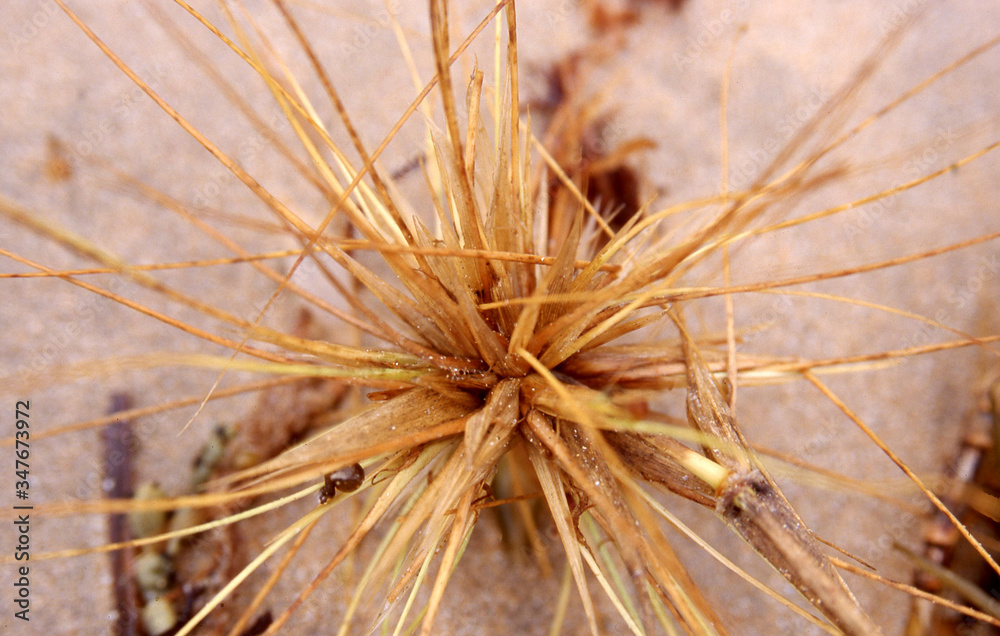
[663, 75]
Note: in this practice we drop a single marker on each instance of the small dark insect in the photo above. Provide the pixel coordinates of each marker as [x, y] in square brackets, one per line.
[347, 479]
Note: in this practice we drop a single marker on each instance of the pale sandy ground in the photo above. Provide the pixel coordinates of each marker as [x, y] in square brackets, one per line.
[668, 69]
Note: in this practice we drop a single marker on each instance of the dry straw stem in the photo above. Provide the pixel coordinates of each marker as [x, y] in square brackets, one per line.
[549, 369]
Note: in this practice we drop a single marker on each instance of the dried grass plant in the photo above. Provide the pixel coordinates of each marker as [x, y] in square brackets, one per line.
[630, 403]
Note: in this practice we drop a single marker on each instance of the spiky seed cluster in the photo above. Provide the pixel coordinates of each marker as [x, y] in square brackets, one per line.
[500, 350]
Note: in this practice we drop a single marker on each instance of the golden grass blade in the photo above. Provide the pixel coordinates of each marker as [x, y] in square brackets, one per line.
[305, 522]
[913, 591]
[596, 569]
[130, 414]
[388, 496]
[185, 532]
[906, 469]
[385, 427]
[553, 490]
[461, 527]
[240, 626]
[173, 322]
[691, 534]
